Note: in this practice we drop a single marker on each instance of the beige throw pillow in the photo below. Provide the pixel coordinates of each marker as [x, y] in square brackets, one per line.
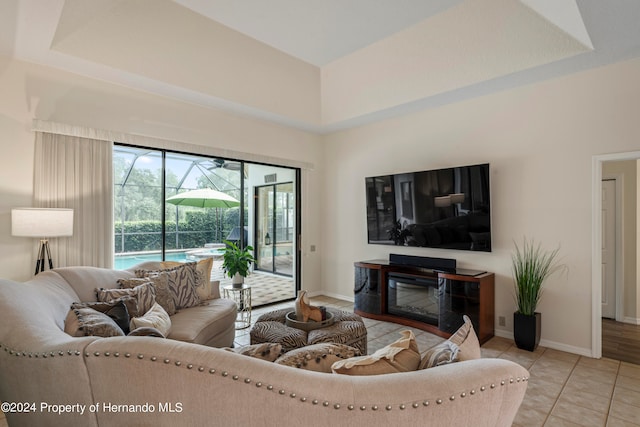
[155, 318]
[467, 340]
[203, 282]
[400, 356]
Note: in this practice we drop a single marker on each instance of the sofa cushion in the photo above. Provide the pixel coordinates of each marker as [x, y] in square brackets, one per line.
[118, 310]
[182, 282]
[155, 318]
[399, 356]
[202, 324]
[317, 357]
[440, 354]
[160, 282]
[467, 340]
[89, 322]
[203, 282]
[84, 280]
[145, 296]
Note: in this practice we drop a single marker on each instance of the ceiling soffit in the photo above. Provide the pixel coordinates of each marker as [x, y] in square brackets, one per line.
[166, 48]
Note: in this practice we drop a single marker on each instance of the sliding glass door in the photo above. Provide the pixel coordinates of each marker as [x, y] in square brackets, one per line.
[247, 203]
[275, 224]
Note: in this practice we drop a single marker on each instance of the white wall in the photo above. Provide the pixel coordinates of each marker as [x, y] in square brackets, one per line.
[31, 91]
[539, 140]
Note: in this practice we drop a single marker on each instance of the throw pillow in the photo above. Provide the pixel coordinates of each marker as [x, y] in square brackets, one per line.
[117, 310]
[467, 340]
[160, 282]
[440, 354]
[182, 282]
[146, 332]
[145, 296]
[400, 356]
[203, 282]
[155, 318]
[266, 351]
[317, 357]
[86, 321]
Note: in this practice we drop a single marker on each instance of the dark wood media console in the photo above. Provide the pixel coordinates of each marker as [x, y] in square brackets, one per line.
[427, 299]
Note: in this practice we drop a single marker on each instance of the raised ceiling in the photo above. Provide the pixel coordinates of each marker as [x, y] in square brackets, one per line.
[321, 65]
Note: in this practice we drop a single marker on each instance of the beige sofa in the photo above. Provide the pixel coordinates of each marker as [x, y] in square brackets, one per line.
[50, 378]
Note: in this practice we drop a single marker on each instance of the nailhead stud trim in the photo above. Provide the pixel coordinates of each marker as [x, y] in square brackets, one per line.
[259, 384]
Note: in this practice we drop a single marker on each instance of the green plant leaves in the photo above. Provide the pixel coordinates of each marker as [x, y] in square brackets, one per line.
[531, 266]
[237, 260]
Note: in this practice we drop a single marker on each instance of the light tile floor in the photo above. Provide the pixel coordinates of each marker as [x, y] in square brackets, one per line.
[564, 389]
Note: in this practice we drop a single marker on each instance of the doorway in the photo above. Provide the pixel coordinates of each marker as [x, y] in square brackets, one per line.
[614, 286]
[612, 251]
[275, 219]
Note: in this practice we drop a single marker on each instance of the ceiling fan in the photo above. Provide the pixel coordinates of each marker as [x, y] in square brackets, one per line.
[224, 164]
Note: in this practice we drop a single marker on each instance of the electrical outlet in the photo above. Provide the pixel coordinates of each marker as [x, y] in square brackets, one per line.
[312, 248]
[502, 321]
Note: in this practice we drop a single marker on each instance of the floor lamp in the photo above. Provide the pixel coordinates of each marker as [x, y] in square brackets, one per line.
[42, 223]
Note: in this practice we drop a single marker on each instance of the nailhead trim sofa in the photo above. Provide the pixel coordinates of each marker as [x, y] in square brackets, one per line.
[136, 380]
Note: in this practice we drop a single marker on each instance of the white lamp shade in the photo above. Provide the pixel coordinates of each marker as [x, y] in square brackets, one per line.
[457, 197]
[442, 201]
[41, 222]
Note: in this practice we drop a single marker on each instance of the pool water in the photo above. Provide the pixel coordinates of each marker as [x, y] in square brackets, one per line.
[122, 262]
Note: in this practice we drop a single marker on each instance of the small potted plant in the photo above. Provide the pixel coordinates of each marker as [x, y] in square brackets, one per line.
[531, 267]
[397, 233]
[236, 262]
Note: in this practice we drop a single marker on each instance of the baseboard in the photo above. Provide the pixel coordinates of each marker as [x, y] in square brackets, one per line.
[550, 344]
[349, 298]
[631, 320]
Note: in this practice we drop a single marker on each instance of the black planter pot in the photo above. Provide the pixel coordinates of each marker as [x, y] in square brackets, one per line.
[526, 330]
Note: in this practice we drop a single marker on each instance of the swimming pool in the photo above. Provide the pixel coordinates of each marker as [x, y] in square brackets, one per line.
[124, 261]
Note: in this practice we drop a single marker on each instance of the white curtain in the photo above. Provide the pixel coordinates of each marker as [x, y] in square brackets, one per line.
[74, 172]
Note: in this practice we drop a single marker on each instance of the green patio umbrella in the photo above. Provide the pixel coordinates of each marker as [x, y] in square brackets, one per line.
[204, 198]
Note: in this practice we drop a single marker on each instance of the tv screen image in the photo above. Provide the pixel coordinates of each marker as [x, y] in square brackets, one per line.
[444, 208]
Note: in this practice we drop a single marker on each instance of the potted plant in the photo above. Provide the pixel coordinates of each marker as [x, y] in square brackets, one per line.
[397, 233]
[531, 267]
[236, 262]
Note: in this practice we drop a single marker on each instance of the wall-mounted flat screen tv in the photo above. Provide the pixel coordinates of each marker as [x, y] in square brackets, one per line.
[444, 208]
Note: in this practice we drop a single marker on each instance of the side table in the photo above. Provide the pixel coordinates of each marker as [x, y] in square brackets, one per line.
[242, 298]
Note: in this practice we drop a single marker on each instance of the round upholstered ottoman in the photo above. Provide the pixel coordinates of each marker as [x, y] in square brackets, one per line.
[347, 328]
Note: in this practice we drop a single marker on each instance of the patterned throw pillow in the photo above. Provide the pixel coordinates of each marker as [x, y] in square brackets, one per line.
[117, 310]
[86, 321]
[182, 283]
[266, 351]
[160, 282]
[146, 332]
[317, 357]
[400, 356]
[440, 354]
[203, 282]
[155, 318]
[145, 296]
